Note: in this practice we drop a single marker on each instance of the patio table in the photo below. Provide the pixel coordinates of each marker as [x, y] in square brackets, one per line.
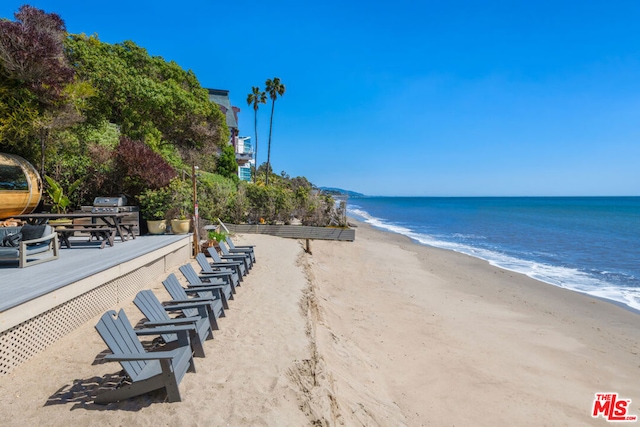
[111, 219]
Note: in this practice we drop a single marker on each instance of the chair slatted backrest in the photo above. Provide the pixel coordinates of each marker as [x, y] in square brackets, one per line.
[238, 255]
[194, 280]
[204, 263]
[116, 331]
[216, 258]
[247, 249]
[230, 242]
[177, 292]
[150, 306]
[175, 289]
[191, 275]
[214, 255]
[206, 268]
[225, 251]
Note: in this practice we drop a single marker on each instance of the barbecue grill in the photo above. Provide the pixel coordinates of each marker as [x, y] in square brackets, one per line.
[110, 204]
[116, 205]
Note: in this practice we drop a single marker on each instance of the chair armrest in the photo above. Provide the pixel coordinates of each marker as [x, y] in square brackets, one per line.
[182, 301]
[225, 264]
[206, 275]
[24, 243]
[239, 251]
[190, 304]
[177, 321]
[164, 330]
[240, 257]
[157, 355]
[217, 289]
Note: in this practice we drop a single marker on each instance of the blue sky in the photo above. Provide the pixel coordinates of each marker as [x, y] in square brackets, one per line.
[414, 98]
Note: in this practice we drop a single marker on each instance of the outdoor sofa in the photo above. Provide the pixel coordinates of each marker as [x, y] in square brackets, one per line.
[38, 243]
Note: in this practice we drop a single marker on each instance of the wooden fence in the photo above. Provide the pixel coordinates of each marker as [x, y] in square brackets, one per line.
[294, 231]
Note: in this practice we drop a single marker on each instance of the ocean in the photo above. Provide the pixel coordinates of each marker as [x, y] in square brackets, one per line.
[585, 244]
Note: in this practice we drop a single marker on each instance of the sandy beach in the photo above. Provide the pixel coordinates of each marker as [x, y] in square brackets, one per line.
[376, 332]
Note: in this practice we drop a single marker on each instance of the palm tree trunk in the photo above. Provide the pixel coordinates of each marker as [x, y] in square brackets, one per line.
[255, 160]
[273, 103]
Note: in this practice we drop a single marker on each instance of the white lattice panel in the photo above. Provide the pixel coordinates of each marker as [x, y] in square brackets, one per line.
[23, 341]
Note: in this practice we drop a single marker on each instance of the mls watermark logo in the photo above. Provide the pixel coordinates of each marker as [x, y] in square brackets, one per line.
[612, 408]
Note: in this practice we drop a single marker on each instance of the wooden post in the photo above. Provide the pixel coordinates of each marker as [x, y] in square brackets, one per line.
[308, 248]
[196, 237]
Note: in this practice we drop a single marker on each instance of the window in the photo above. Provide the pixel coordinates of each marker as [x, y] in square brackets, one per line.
[13, 178]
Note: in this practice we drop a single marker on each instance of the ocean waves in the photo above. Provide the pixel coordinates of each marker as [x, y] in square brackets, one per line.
[539, 262]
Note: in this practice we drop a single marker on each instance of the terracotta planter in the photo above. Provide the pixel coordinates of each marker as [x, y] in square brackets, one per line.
[180, 226]
[157, 227]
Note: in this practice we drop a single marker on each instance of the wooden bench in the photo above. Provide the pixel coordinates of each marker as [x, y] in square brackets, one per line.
[102, 234]
[127, 229]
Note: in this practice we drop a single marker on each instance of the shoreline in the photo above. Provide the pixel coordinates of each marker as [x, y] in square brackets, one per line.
[621, 304]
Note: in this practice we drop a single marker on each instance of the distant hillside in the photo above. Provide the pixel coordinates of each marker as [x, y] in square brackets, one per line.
[339, 191]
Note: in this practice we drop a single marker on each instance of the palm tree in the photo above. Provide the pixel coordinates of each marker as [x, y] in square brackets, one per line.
[256, 97]
[274, 88]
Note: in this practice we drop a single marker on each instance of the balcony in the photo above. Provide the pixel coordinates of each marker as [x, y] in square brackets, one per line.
[243, 158]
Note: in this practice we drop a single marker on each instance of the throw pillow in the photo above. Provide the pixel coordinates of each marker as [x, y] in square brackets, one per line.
[12, 240]
[30, 232]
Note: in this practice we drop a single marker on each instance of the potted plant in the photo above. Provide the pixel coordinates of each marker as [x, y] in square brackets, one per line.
[181, 224]
[180, 202]
[154, 205]
[215, 237]
[59, 201]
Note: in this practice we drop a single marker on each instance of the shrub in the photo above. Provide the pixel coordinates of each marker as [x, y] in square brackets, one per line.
[140, 167]
[214, 235]
[154, 203]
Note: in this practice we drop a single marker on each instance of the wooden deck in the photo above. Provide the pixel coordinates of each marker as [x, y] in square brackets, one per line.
[19, 285]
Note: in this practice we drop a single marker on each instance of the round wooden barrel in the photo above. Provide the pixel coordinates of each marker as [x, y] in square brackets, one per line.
[20, 186]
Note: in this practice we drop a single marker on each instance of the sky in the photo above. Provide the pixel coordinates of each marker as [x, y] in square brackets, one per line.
[412, 98]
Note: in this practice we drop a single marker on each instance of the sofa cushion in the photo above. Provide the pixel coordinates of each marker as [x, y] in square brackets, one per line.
[11, 240]
[31, 232]
[8, 230]
[37, 248]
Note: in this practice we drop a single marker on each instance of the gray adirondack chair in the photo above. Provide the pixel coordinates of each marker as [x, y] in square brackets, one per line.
[236, 255]
[180, 295]
[243, 248]
[226, 276]
[157, 315]
[207, 269]
[148, 371]
[197, 282]
[235, 261]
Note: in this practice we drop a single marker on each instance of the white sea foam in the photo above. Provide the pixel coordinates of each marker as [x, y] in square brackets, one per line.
[568, 278]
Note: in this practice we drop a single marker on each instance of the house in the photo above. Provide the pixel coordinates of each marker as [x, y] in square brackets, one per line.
[245, 157]
[242, 145]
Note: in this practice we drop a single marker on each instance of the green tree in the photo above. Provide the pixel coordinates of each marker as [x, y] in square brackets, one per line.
[227, 164]
[38, 90]
[274, 88]
[149, 98]
[256, 97]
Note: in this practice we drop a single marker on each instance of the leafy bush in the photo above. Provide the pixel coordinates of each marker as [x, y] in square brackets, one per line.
[155, 203]
[140, 167]
[215, 193]
[214, 235]
[59, 200]
[181, 198]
